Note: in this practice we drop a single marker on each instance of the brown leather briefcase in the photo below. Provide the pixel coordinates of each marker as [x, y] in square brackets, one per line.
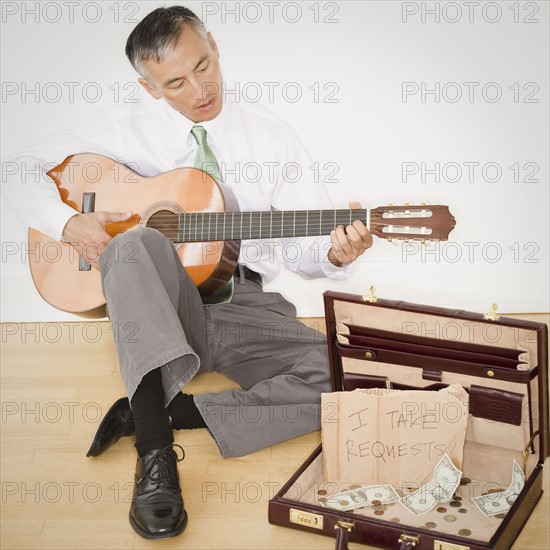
[502, 364]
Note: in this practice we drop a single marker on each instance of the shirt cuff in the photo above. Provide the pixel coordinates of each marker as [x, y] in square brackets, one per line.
[334, 272]
[56, 216]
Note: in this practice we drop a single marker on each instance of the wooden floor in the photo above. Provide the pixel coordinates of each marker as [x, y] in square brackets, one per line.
[57, 382]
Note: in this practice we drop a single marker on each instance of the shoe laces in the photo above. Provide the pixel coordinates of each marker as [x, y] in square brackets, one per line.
[162, 459]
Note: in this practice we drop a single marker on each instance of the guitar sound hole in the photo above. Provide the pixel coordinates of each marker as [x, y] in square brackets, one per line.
[166, 222]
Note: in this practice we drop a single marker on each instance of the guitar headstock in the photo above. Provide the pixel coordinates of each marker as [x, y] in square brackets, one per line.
[424, 222]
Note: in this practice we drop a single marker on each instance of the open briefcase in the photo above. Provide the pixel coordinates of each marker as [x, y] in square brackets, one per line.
[500, 362]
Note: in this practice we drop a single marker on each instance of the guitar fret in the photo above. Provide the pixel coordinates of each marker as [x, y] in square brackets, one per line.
[183, 218]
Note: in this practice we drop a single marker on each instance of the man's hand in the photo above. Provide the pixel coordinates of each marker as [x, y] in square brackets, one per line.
[86, 232]
[350, 242]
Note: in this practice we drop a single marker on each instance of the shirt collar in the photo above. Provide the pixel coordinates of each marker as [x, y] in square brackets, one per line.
[215, 128]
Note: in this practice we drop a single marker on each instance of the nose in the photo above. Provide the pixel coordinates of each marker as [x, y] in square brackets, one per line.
[197, 92]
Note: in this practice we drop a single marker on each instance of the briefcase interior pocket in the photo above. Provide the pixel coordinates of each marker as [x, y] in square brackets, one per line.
[497, 418]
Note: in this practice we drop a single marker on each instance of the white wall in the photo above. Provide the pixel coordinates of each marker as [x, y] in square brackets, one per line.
[365, 51]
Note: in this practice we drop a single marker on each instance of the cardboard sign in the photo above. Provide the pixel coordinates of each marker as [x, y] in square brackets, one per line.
[392, 436]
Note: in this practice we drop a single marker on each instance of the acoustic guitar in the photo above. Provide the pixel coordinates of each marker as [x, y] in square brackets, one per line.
[200, 216]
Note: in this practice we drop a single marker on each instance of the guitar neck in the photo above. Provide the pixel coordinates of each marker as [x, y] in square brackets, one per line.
[268, 224]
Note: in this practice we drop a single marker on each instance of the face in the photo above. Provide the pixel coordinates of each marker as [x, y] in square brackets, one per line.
[189, 77]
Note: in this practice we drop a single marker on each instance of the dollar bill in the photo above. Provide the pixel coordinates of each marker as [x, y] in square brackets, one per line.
[369, 495]
[500, 502]
[440, 489]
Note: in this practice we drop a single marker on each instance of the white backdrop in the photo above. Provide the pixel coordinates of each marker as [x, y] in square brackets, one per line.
[396, 101]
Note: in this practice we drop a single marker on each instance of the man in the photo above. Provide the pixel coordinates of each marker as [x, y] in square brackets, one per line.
[189, 122]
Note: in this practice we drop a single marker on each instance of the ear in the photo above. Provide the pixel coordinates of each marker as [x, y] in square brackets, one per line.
[213, 44]
[149, 87]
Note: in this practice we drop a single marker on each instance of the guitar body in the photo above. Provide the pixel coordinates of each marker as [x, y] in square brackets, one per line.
[56, 267]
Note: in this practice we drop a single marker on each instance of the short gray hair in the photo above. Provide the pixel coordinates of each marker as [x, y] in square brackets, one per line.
[157, 32]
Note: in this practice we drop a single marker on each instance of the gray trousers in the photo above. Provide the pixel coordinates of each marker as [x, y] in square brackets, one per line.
[159, 321]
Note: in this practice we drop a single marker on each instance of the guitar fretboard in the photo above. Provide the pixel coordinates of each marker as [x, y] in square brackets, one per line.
[268, 224]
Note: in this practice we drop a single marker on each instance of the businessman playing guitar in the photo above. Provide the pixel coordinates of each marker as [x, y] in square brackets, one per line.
[186, 122]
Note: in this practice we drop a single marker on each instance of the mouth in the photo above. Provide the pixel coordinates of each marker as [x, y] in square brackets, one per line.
[206, 106]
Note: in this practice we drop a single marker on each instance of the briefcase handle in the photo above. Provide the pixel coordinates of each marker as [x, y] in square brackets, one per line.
[344, 528]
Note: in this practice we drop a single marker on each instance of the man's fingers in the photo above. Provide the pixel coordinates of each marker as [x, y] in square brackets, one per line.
[343, 249]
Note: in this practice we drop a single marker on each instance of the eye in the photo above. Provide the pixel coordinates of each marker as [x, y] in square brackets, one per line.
[204, 68]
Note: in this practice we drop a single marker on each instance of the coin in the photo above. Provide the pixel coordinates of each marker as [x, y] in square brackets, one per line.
[379, 512]
[464, 532]
[322, 492]
[500, 516]
[465, 481]
[450, 518]
[462, 510]
[430, 525]
[376, 503]
[343, 503]
[441, 510]
[354, 486]
[457, 497]
[395, 520]
[455, 503]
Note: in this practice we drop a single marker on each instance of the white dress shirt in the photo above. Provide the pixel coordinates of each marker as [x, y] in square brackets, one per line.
[260, 157]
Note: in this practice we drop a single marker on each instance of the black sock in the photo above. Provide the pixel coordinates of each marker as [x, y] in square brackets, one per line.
[153, 429]
[184, 413]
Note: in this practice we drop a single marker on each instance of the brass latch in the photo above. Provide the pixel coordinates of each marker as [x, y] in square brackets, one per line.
[306, 518]
[492, 314]
[409, 538]
[370, 297]
[440, 545]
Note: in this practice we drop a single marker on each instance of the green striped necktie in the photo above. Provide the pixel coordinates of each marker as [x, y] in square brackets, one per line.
[205, 159]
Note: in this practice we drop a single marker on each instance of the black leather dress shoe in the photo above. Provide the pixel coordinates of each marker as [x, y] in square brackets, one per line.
[157, 510]
[118, 422]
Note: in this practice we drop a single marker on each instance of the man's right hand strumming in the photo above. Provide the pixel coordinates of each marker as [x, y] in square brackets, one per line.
[86, 232]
